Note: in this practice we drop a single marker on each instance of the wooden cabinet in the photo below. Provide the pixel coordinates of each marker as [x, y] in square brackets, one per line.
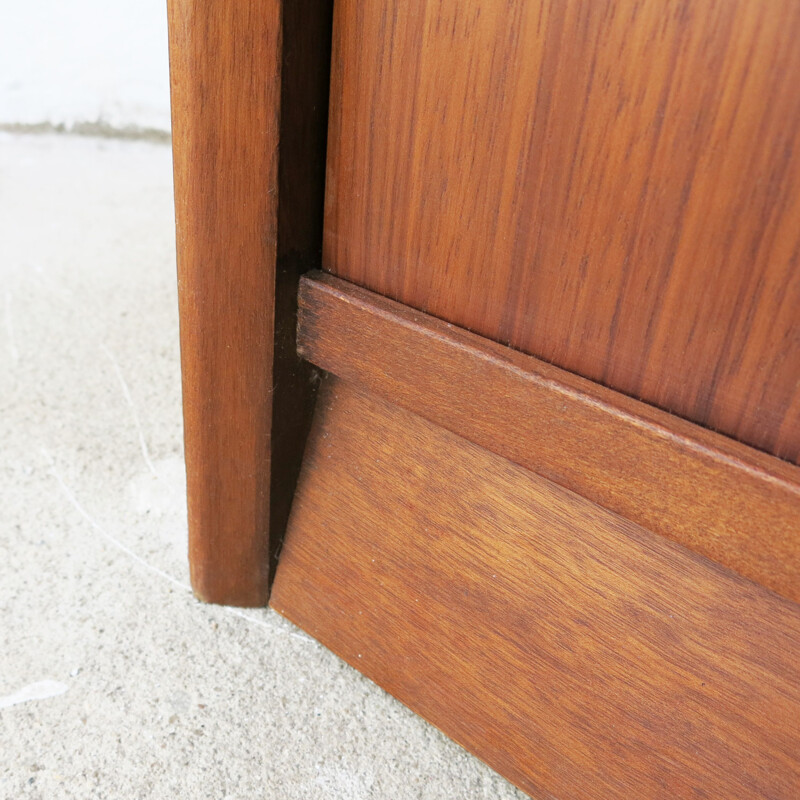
[609, 186]
[547, 279]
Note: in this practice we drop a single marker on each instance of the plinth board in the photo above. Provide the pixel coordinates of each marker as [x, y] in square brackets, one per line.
[719, 497]
[577, 653]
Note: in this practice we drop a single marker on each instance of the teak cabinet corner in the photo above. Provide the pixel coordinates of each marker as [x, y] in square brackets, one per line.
[490, 329]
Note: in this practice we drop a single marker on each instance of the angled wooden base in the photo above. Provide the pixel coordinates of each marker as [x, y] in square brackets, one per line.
[577, 653]
[719, 497]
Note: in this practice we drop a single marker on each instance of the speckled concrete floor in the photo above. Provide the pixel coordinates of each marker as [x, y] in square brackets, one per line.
[114, 681]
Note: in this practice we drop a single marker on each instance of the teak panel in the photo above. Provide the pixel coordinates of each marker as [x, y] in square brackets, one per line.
[249, 85]
[723, 499]
[576, 653]
[610, 185]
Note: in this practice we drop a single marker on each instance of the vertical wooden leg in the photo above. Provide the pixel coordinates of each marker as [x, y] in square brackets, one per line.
[249, 147]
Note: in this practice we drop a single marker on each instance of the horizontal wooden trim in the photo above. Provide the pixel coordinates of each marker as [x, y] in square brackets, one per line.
[575, 652]
[725, 500]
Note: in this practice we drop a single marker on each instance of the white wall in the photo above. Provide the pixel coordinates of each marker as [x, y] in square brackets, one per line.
[68, 61]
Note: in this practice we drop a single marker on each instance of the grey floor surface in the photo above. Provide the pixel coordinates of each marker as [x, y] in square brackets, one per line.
[114, 681]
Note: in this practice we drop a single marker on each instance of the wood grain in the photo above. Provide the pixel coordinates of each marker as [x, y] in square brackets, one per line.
[610, 185]
[248, 143]
[576, 653]
[723, 499]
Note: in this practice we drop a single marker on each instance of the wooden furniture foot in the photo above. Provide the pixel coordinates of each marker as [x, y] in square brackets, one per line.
[249, 89]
